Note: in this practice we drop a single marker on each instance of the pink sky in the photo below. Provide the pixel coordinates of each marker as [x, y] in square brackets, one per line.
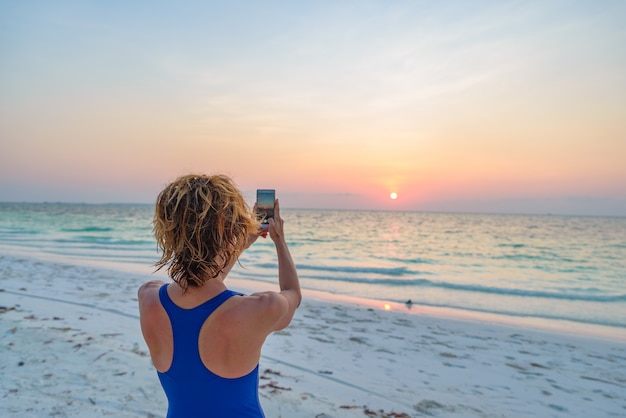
[503, 107]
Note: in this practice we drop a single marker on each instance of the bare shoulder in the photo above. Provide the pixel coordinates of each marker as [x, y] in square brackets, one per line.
[268, 301]
[271, 311]
[148, 294]
[155, 325]
[152, 315]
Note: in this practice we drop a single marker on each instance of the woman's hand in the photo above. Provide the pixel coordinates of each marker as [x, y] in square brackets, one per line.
[276, 224]
[252, 237]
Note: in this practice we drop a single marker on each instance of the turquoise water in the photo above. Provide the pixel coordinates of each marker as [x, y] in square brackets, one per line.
[549, 267]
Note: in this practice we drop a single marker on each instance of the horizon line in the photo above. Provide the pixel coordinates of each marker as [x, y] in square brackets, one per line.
[404, 210]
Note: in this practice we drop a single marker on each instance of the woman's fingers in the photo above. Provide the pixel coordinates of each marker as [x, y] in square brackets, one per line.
[276, 209]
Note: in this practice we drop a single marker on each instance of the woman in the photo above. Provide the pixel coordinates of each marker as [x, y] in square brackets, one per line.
[205, 340]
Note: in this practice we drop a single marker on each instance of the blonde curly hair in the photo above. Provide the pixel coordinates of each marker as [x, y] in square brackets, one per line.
[201, 224]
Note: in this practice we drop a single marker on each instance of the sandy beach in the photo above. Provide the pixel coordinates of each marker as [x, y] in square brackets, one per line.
[71, 346]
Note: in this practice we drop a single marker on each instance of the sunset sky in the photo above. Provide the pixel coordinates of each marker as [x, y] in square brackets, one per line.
[494, 106]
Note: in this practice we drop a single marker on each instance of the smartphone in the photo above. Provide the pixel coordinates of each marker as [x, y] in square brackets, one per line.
[265, 204]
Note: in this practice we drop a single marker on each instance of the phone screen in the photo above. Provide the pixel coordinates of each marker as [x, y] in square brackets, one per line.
[265, 203]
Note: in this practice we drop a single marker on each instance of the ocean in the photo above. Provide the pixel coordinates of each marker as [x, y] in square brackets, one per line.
[552, 268]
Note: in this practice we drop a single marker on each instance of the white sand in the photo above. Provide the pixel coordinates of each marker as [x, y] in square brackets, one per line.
[71, 346]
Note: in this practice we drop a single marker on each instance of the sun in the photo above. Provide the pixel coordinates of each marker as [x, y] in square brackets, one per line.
[393, 195]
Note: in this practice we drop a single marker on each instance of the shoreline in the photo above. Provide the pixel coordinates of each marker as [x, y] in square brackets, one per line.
[564, 327]
[560, 326]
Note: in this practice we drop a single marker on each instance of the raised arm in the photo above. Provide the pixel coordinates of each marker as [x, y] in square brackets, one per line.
[287, 274]
[282, 305]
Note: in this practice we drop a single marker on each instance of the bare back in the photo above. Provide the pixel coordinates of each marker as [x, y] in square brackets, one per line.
[230, 339]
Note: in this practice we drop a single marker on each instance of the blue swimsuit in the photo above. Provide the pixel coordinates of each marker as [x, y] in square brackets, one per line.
[192, 390]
